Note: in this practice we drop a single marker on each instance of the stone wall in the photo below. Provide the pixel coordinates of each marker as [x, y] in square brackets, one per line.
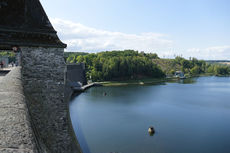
[43, 79]
[16, 132]
[76, 73]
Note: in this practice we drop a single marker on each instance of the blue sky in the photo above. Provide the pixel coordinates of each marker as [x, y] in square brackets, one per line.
[197, 28]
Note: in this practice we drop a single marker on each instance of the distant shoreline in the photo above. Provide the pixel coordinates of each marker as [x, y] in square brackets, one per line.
[137, 82]
[149, 81]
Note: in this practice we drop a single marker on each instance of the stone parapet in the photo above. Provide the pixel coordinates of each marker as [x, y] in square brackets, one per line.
[16, 133]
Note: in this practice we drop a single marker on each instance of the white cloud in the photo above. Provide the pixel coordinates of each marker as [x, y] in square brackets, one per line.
[82, 38]
[211, 53]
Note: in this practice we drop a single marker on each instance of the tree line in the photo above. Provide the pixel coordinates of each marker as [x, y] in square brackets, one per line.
[118, 65]
[130, 64]
[196, 67]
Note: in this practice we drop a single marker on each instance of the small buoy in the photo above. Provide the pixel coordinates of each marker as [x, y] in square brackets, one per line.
[151, 130]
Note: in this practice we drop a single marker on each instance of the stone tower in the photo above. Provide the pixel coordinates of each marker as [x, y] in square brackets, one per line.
[25, 25]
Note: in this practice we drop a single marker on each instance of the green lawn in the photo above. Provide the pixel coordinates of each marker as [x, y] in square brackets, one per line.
[134, 82]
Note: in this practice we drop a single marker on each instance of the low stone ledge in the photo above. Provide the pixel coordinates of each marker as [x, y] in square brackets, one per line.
[16, 134]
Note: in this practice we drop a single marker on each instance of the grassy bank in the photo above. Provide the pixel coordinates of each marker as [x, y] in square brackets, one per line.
[135, 82]
[149, 81]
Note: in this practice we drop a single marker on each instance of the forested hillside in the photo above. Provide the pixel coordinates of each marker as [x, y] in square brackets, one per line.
[118, 65]
[191, 67]
[130, 64]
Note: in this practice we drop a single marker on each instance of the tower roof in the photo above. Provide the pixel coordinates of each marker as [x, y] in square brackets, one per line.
[25, 23]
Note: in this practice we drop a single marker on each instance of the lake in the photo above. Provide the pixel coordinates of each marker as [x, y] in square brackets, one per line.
[190, 116]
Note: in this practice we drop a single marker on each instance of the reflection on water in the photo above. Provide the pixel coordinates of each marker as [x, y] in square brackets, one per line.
[184, 81]
[189, 116]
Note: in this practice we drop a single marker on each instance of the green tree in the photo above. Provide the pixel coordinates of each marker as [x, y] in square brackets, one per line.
[195, 70]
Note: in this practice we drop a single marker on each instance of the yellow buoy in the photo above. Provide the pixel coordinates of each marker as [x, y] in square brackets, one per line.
[151, 130]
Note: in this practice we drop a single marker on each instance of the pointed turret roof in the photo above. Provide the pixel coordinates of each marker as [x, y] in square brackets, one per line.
[25, 23]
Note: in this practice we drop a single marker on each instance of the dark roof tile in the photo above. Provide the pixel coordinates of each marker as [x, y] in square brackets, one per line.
[25, 23]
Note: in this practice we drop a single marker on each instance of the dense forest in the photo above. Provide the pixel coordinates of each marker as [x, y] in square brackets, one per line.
[130, 64]
[192, 67]
[118, 65]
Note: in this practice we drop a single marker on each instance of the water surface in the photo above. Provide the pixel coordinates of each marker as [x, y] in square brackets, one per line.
[189, 117]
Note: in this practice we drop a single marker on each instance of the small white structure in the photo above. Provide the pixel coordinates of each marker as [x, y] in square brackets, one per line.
[179, 74]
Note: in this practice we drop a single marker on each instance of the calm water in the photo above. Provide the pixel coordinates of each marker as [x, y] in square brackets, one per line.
[188, 118]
